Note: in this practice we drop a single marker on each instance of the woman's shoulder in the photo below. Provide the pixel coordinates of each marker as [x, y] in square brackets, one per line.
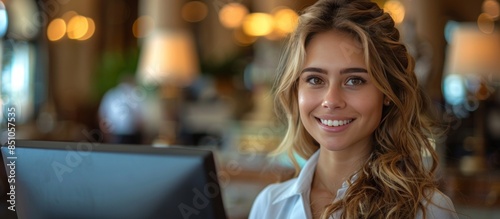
[439, 205]
[269, 196]
[438, 198]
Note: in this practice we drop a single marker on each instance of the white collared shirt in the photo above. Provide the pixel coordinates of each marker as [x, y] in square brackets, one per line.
[290, 199]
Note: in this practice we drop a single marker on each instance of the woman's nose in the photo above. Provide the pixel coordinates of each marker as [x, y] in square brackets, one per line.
[333, 99]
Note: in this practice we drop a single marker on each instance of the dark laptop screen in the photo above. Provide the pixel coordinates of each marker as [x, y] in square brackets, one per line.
[85, 180]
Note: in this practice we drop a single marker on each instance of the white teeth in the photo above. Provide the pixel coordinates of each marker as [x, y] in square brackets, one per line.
[335, 123]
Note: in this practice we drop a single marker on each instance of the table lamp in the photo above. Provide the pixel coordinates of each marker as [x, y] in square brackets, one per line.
[168, 60]
[474, 53]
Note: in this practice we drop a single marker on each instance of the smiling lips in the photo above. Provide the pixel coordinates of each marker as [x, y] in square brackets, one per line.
[335, 123]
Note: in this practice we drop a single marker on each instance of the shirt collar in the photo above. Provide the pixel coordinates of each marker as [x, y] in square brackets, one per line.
[302, 184]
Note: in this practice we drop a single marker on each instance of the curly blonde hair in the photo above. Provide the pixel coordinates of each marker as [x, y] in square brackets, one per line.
[395, 179]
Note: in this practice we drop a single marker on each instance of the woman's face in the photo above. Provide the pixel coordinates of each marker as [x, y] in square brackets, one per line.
[339, 105]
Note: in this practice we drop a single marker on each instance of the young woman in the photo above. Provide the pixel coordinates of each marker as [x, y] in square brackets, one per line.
[354, 109]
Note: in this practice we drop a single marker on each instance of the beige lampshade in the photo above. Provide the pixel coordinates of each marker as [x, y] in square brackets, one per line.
[168, 57]
[473, 52]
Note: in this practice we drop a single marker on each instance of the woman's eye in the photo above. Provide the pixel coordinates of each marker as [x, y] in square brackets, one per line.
[314, 80]
[355, 81]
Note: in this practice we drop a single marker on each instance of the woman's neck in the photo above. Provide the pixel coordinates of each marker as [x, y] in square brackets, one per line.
[335, 167]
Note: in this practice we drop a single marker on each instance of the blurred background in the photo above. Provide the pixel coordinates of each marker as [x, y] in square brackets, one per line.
[200, 73]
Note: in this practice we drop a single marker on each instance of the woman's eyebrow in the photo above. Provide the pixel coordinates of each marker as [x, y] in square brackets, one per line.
[353, 70]
[314, 69]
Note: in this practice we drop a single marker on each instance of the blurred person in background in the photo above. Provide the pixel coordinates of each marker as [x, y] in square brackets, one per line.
[120, 113]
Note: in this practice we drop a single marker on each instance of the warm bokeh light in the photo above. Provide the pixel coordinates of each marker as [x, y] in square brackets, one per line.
[243, 39]
[194, 11]
[56, 29]
[77, 27]
[232, 15]
[143, 26]
[486, 23]
[396, 10]
[492, 7]
[90, 30]
[258, 24]
[285, 20]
